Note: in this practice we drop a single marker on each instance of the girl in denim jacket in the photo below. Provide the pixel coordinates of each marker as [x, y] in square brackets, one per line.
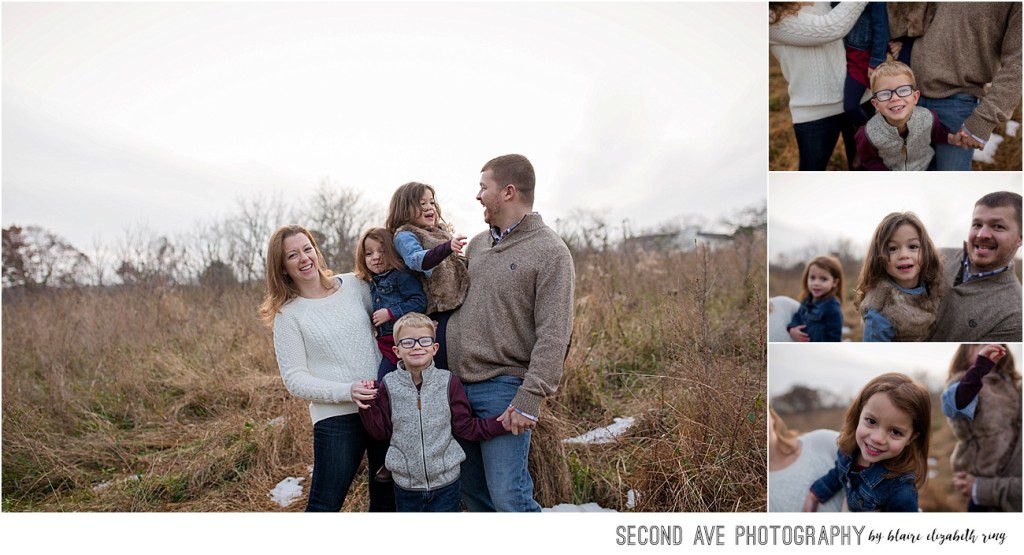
[425, 243]
[394, 292]
[820, 317]
[898, 290]
[883, 448]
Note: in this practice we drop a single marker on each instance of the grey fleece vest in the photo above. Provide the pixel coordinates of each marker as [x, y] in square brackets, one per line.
[423, 454]
[886, 139]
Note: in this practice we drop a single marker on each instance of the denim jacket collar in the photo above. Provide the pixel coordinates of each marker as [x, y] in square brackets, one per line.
[377, 278]
[871, 476]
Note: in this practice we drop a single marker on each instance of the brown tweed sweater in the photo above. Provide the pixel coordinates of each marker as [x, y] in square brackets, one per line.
[986, 309]
[969, 44]
[517, 316]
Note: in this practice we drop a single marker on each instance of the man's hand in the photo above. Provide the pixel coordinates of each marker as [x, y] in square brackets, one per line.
[381, 317]
[966, 140]
[516, 423]
[964, 483]
[797, 333]
[954, 139]
[458, 243]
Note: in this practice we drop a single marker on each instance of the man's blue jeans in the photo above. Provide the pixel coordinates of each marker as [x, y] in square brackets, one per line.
[338, 446]
[494, 475]
[952, 112]
[441, 500]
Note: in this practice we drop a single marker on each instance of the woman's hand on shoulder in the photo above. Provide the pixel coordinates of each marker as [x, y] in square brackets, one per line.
[810, 503]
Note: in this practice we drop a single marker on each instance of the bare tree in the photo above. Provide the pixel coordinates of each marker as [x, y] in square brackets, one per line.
[337, 216]
[248, 231]
[36, 257]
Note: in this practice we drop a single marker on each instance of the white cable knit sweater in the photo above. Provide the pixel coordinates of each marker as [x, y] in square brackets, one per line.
[325, 345]
[787, 488]
[809, 48]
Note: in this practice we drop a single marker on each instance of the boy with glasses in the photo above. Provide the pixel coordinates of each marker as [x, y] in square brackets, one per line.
[899, 137]
[419, 408]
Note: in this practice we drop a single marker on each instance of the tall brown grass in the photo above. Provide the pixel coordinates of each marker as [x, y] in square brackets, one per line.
[169, 397]
[783, 154]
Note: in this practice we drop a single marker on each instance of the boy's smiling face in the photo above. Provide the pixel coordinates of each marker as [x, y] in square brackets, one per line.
[416, 357]
[896, 110]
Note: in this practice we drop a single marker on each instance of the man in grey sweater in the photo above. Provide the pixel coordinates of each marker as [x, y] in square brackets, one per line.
[981, 296]
[508, 341]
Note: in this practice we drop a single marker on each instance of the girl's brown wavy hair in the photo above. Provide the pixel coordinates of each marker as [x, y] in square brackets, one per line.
[405, 205]
[909, 397]
[392, 260]
[873, 269]
[280, 288]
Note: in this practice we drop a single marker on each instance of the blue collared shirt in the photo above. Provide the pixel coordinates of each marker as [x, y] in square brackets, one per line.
[497, 235]
[968, 276]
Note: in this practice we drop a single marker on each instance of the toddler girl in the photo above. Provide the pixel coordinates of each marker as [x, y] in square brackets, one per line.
[867, 45]
[982, 402]
[425, 242]
[898, 290]
[820, 317]
[394, 292]
[883, 448]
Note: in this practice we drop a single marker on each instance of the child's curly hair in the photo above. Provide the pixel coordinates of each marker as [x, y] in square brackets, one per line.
[909, 397]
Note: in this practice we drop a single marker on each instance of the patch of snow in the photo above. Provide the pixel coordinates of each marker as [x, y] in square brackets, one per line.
[100, 487]
[1012, 127]
[287, 491]
[988, 154]
[584, 508]
[605, 434]
[631, 497]
[275, 421]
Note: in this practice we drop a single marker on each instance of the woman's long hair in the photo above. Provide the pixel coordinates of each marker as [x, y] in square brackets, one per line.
[874, 268]
[405, 205]
[779, 10]
[280, 288]
[785, 437]
[962, 360]
[909, 397]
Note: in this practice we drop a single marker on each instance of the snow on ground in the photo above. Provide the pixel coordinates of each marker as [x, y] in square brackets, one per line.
[287, 491]
[275, 421]
[988, 154]
[631, 497]
[1012, 127]
[584, 508]
[605, 434]
[102, 486]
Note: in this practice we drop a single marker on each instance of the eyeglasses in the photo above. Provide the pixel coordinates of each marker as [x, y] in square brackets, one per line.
[409, 343]
[902, 92]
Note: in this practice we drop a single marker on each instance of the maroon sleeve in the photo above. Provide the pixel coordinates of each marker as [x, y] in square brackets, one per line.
[377, 418]
[464, 425]
[867, 153]
[970, 384]
[940, 133]
[435, 255]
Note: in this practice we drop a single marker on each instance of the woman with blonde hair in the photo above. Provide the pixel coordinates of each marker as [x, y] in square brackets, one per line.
[323, 338]
[794, 462]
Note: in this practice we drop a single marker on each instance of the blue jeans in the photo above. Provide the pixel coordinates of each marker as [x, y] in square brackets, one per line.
[495, 475]
[338, 446]
[952, 112]
[817, 139]
[443, 500]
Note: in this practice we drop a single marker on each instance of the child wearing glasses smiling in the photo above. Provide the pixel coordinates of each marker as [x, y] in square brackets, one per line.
[419, 408]
[899, 137]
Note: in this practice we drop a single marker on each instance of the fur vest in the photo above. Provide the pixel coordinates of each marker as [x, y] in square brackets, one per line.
[912, 316]
[985, 445]
[448, 283]
[912, 154]
[908, 19]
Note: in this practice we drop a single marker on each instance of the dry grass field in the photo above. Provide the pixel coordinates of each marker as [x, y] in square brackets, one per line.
[782, 150]
[168, 398]
[938, 493]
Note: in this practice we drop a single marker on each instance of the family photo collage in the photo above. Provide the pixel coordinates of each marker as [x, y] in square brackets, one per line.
[485, 257]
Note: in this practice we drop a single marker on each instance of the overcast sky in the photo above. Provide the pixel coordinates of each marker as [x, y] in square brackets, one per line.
[844, 368]
[806, 210]
[163, 114]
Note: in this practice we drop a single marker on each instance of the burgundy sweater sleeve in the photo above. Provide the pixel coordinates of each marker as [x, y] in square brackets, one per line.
[867, 152]
[435, 255]
[940, 133]
[464, 425]
[377, 418]
[970, 384]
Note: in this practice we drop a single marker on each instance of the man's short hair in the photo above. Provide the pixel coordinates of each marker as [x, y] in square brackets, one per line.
[891, 68]
[514, 169]
[414, 320]
[1003, 198]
